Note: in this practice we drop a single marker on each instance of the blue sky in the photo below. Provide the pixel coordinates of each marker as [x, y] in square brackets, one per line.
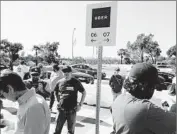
[36, 22]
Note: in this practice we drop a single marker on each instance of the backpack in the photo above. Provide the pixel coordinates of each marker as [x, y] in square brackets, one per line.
[116, 83]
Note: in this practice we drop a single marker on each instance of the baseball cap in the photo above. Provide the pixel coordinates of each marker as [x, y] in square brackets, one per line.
[40, 65]
[145, 72]
[67, 69]
[117, 69]
[34, 71]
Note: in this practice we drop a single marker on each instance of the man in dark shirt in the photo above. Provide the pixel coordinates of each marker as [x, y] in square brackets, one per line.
[66, 93]
[116, 83]
[132, 111]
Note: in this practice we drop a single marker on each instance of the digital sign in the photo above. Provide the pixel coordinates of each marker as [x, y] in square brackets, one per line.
[101, 17]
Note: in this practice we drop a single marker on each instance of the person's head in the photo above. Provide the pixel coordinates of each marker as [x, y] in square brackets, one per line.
[41, 86]
[143, 79]
[40, 65]
[11, 85]
[35, 76]
[117, 70]
[22, 62]
[67, 72]
[56, 68]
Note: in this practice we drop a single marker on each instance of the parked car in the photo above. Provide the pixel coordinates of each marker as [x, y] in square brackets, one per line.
[168, 79]
[88, 70]
[164, 68]
[167, 76]
[83, 77]
[161, 63]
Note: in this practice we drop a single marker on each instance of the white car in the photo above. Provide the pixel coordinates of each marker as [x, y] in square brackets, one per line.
[164, 68]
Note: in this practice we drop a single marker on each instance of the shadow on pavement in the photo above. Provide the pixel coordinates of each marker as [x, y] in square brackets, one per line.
[77, 124]
[92, 121]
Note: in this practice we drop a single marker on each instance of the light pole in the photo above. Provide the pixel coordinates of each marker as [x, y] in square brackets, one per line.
[73, 42]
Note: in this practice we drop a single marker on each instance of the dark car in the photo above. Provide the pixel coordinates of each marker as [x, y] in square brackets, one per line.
[168, 77]
[83, 77]
[88, 70]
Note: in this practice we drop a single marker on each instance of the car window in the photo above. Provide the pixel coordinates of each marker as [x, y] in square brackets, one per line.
[87, 67]
[162, 66]
[81, 66]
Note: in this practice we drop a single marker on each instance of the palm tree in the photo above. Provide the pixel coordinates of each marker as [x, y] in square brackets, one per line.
[37, 49]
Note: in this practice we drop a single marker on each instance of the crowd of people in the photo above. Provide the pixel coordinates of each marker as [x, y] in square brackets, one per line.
[132, 111]
[32, 90]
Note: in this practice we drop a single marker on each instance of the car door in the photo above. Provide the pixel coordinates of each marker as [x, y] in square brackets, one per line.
[88, 70]
[77, 67]
[82, 68]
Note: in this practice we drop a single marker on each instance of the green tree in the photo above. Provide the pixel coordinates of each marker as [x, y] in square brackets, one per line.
[153, 50]
[11, 49]
[49, 52]
[144, 44]
[172, 51]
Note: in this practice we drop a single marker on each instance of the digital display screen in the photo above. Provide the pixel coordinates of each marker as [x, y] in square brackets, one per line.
[101, 17]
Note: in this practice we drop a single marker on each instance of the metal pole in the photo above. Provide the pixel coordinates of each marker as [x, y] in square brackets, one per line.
[36, 58]
[73, 41]
[98, 96]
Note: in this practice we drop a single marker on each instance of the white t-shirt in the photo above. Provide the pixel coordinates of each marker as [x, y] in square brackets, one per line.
[55, 77]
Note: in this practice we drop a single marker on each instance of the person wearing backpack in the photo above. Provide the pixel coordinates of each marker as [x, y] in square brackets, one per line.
[116, 83]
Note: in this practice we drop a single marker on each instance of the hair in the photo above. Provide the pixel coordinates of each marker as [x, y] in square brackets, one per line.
[138, 89]
[22, 62]
[40, 65]
[56, 67]
[12, 79]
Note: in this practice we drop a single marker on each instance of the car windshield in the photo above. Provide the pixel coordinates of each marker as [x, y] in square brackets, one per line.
[163, 66]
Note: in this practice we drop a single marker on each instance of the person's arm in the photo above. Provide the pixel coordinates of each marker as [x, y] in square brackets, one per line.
[81, 89]
[35, 120]
[47, 87]
[82, 98]
[111, 81]
[56, 92]
[160, 121]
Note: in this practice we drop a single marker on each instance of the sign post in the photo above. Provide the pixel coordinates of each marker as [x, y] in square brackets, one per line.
[101, 26]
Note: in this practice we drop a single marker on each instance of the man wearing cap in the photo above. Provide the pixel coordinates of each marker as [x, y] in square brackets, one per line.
[33, 113]
[116, 83]
[41, 87]
[132, 111]
[66, 93]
